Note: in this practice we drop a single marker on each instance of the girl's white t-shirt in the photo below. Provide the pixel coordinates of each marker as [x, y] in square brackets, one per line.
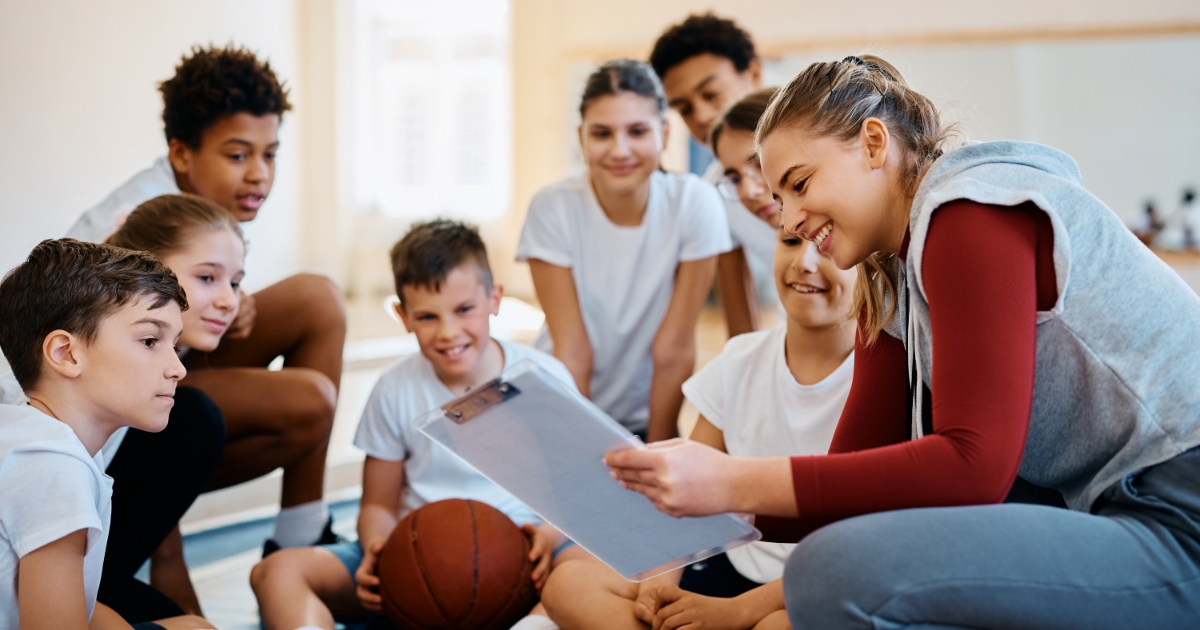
[749, 393]
[624, 276]
[49, 487]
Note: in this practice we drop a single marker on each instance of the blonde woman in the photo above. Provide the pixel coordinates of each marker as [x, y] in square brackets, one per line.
[1044, 340]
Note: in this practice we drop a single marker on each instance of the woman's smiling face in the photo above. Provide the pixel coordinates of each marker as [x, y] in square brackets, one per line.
[839, 194]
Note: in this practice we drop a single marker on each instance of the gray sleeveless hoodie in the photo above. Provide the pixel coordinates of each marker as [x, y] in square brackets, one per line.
[1117, 376]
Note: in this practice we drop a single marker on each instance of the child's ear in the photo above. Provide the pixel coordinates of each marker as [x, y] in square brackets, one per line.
[666, 132]
[755, 70]
[494, 299]
[63, 352]
[180, 155]
[399, 309]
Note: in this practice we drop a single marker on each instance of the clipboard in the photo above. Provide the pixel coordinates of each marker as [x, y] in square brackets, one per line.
[544, 443]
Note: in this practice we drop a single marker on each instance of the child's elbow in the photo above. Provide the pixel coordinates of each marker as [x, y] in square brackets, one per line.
[578, 360]
[672, 355]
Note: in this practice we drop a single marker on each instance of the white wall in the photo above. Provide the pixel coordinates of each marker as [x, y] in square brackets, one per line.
[1127, 110]
[80, 112]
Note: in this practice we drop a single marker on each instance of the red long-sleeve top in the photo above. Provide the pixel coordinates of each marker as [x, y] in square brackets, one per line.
[987, 271]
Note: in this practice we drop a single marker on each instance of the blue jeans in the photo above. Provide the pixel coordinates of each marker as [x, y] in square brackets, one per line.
[1134, 563]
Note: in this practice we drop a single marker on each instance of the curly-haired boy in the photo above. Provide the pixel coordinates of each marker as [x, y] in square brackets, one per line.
[221, 115]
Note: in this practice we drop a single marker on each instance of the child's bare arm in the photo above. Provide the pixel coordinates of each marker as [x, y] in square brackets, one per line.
[674, 348]
[707, 434]
[383, 490]
[50, 592]
[735, 287]
[555, 288]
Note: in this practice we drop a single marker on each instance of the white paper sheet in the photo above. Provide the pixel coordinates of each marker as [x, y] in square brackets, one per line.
[545, 444]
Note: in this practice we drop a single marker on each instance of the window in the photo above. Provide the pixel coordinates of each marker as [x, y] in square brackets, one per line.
[432, 108]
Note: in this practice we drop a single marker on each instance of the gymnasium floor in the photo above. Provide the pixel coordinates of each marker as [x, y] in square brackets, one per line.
[222, 543]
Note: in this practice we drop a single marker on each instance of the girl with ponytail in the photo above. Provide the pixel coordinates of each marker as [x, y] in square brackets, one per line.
[1015, 342]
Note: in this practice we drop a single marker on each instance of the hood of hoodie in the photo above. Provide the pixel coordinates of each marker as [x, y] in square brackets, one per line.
[974, 154]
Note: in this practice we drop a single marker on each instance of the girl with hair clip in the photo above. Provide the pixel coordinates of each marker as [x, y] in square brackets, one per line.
[159, 475]
[997, 337]
[623, 256]
[755, 230]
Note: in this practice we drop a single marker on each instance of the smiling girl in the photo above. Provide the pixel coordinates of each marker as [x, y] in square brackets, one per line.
[994, 278]
[623, 256]
[159, 475]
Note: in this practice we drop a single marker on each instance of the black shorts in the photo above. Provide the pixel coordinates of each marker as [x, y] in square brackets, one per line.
[715, 577]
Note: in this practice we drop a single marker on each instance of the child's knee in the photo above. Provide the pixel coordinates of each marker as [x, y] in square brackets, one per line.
[323, 298]
[313, 402]
[285, 565]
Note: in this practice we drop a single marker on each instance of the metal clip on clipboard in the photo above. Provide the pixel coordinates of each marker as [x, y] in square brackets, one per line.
[539, 439]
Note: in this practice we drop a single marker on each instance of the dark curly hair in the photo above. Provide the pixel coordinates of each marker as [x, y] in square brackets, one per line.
[214, 83]
[700, 34]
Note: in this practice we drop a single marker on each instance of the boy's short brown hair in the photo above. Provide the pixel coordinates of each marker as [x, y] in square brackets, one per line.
[431, 250]
[70, 285]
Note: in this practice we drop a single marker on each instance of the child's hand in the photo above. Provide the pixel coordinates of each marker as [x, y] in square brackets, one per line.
[366, 579]
[541, 552]
[244, 322]
[667, 607]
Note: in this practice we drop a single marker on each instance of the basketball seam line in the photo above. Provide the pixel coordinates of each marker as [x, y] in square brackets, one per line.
[474, 565]
[421, 567]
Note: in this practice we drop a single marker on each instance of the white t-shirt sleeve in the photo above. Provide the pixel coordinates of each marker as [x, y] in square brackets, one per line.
[29, 520]
[706, 391]
[545, 235]
[705, 225]
[379, 434]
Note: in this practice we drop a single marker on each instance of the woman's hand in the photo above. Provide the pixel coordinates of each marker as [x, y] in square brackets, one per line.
[667, 607]
[681, 477]
[367, 581]
[687, 478]
[243, 324]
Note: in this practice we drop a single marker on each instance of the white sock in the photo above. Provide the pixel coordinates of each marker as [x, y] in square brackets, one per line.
[301, 525]
[535, 622]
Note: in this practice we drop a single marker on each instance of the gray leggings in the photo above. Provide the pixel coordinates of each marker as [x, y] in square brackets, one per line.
[1134, 564]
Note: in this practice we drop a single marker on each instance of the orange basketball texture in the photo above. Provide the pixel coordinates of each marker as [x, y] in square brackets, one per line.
[456, 564]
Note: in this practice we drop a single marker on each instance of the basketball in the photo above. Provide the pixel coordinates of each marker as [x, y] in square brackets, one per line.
[457, 564]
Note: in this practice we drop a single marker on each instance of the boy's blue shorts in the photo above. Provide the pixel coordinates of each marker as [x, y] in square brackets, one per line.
[350, 553]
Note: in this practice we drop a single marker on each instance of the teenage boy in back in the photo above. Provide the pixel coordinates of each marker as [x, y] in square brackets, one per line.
[446, 295]
[90, 332]
[707, 64]
[222, 111]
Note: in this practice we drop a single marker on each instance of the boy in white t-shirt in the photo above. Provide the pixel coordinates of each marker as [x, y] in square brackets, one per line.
[446, 296]
[89, 331]
[776, 392]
